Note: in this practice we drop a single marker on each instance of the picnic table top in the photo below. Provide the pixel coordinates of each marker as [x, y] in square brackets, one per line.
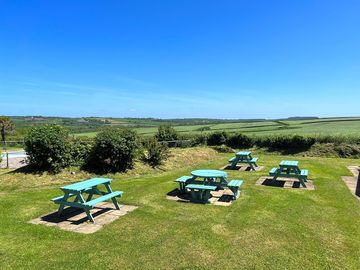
[289, 163]
[86, 184]
[243, 153]
[209, 173]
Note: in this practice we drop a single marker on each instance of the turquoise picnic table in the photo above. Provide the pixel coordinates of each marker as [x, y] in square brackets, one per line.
[243, 157]
[74, 195]
[202, 182]
[290, 169]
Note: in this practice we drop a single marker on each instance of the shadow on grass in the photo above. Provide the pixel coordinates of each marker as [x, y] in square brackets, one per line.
[69, 213]
[357, 189]
[279, 183]
[237, 168]
[29, 169]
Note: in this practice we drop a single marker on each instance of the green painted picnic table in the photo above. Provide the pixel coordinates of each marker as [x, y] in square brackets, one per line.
[211, 177]
[202, 182]
[243, 157]
[205, 181]
[91, 188]
[290, 169]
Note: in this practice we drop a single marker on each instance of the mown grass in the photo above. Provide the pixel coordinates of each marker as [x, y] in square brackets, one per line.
[267, 228]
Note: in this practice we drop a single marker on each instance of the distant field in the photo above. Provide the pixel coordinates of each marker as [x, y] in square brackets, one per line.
[324, 126]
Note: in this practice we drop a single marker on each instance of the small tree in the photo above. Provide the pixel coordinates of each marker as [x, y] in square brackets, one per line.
[113, 151]
[166, 133]
[48, 148]
[6, 125]
[154, 153]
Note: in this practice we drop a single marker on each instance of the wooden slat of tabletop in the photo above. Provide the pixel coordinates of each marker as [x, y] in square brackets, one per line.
[86, 184]
[289, 163]
[243, 153]
[209, 173]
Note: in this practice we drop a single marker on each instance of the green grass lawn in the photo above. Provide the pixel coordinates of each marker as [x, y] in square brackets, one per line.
[267, 228]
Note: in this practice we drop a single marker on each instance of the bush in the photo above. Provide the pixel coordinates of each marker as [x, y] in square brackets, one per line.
[80, 149]
[217, 138]
[113, 151]
[166, 133]
[240, 141]
[48, 148]
[154, 152]
[345, 150]
[286, 142]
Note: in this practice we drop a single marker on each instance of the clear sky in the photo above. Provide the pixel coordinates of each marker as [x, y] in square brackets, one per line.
[180, 58]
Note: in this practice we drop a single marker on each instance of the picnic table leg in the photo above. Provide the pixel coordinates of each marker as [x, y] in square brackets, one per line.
[80, 198]
[89, 215]
[301, 179]
[62, 205]
[108, 188]
[233, 164]
[193, 195]
[252, 166]
[206, 196]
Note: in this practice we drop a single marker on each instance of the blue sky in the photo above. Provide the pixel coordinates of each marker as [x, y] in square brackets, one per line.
[180, 58]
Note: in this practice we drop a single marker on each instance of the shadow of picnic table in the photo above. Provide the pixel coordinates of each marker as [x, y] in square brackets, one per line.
[357, 189]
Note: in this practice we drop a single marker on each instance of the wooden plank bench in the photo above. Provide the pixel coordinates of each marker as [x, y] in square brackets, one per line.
[200, 193]
[89, 187]
[273, 171]
[234, 186]
[183, 180]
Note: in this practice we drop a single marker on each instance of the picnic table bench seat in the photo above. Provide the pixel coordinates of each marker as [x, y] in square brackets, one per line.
[304, 173]
[200, 193]
[232, 159]
[254, 160]
[104, 198]
[182, 181]
[234, 186]
[273, 171]
[201, 187]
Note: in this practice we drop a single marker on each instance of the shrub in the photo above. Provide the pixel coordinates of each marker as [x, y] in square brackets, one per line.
[345, 150]
[48, 148]
[217, 138]
[113, 151]
[240, 141]
[154, 153]
[166, 133]
[286, 142]
[80, 149]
